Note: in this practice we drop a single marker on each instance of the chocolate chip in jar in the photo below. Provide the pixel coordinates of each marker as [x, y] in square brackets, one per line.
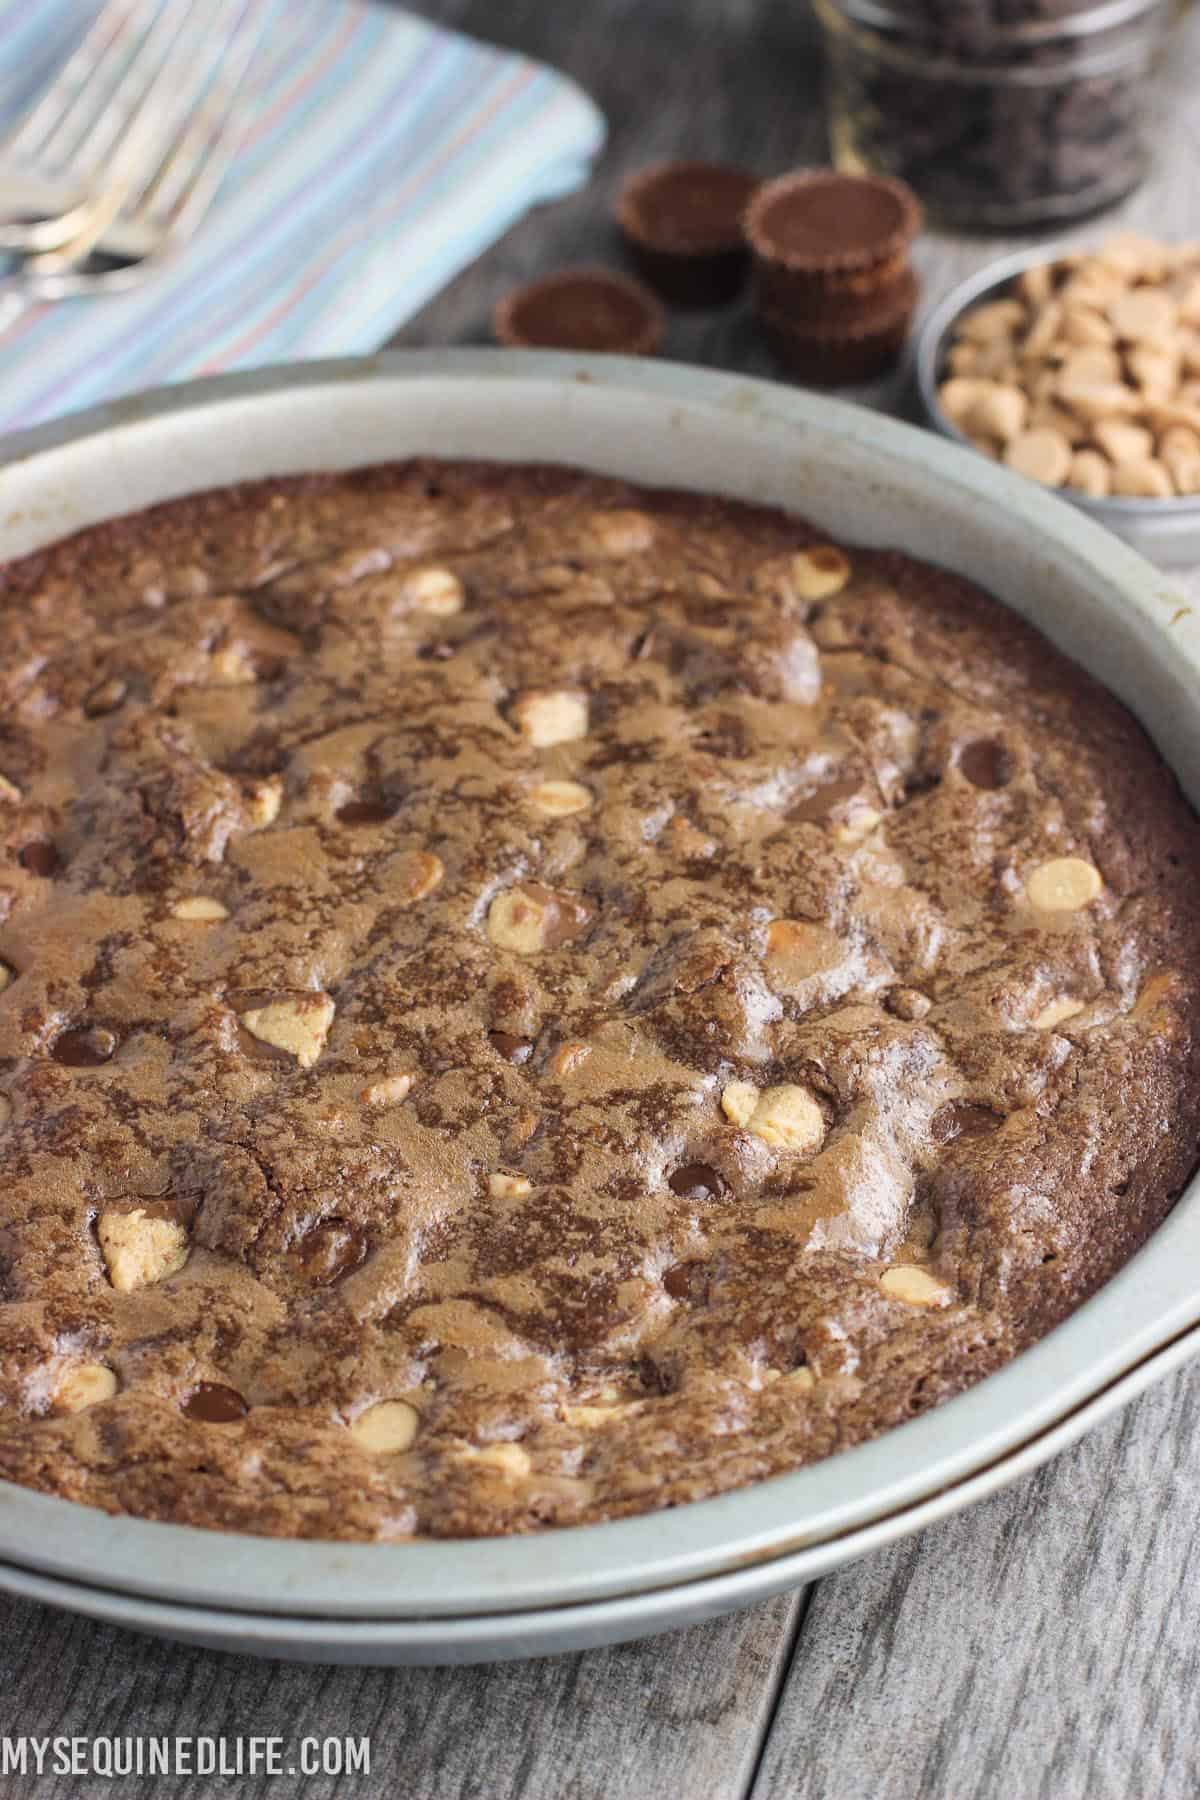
[996, 116]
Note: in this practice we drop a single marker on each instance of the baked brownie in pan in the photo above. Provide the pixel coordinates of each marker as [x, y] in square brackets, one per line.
[528, 1000]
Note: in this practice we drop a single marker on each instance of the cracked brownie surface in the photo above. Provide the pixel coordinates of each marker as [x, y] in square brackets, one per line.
[528, 1000]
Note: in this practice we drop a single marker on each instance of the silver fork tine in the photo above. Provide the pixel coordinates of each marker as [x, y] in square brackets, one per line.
[112, 26]
[105, 112]
[139, 82]
[156, 135]
[184, 189]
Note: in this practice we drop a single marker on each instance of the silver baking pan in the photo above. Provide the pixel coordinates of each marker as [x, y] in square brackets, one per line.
[866, 479]
[1167, 531]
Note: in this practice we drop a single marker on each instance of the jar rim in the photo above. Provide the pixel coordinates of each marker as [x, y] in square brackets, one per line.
[1089, 21]
[840, 18]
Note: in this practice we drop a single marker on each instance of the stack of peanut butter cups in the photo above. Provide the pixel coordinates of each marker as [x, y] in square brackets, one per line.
[834, 289]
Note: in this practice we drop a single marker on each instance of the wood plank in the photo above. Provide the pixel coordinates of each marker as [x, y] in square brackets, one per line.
[1042, 1646]
[671, 1716]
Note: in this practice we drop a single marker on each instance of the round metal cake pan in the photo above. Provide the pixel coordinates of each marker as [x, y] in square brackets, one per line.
[866, 479]
[1168, 531]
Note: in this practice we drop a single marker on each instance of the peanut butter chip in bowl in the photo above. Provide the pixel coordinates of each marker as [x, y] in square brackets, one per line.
[1065, 884]
[1043, 454]
[914, 1286]
[139, 1249]
[87, 1384]
[298, 1024]
[386, 1428]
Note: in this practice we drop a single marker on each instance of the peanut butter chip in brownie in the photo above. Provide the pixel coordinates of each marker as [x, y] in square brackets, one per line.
[821, 572]
[436, 591]
[551, 718]
[386, 1428]
[1056, 1012]
[201, 908]
[298, 1024]
[390, 1090]
[532, 918]
[139, 1248]
[6, 1111]
[212, 1403]
[502, 1186]
[559, 799]
[739, 1102]
[623, 532]
[914, 1286]
[1066, 884]
[87, 1384]
[509, 1460]
[6, 976]
[787, 1118]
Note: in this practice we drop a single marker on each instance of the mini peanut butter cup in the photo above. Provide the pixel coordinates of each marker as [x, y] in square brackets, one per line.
[581, 309]
[682, 226]
[823, 224]
[860, 346]
[826, 299]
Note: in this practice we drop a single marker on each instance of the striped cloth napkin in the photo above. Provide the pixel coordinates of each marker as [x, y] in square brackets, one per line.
[382, 154]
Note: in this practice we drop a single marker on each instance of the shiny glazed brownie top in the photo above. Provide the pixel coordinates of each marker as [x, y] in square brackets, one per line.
[527, 1000]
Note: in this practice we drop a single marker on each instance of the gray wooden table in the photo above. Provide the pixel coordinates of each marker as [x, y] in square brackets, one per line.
[1044, 1646]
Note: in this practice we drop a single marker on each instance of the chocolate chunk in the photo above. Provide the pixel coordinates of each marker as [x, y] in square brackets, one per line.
[512, 1049]
[365, 812]
[331, 1250]
[986, 763]
[40, 858]
[84, 1047]
[962, 1118]
[682, 225]
[696, 1181]
[581, 309]
[686, 1281]
[215, 1404]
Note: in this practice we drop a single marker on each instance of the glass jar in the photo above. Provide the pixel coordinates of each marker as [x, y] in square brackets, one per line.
[1000, 113]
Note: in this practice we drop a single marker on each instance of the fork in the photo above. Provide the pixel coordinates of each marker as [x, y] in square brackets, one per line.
[156, 163]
